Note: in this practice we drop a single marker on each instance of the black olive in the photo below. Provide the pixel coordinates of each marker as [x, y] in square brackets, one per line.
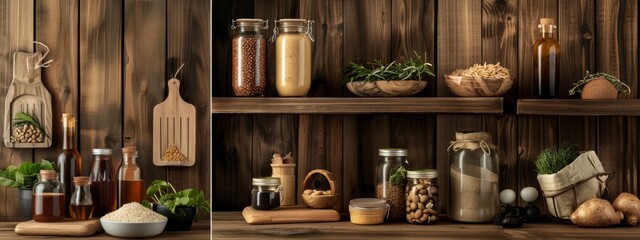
[511, 221]
[533, 213]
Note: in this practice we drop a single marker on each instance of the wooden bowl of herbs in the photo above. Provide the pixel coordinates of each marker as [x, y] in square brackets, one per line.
[388, 80]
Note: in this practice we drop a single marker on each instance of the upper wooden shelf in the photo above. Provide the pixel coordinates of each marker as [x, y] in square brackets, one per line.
[356, 105]
[579, 107]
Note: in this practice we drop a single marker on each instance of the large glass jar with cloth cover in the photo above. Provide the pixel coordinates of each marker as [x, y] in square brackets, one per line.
[473, 177]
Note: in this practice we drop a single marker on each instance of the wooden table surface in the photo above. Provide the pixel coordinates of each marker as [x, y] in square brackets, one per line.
[230, 225]
[199, 230]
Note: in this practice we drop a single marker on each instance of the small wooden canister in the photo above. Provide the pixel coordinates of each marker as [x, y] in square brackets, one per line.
[287, 181]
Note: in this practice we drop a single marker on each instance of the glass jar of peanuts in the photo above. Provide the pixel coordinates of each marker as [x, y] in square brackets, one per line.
[422, 196]
[293, 38]
[249, 57]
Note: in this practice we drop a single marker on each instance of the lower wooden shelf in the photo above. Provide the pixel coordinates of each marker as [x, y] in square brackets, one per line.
[231, 225]
[579, 107]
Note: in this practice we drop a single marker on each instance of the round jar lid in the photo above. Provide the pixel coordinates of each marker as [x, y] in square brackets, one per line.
[249, 22]
[392, 152]
[266, 181]
[424, 173]
[368, 203]
[101, 151]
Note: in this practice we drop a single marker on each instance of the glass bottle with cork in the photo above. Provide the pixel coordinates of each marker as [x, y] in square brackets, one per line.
[130, 183]
[81, 203]
[104, 182]
[546, 51]
[48, 198]
[69, 162]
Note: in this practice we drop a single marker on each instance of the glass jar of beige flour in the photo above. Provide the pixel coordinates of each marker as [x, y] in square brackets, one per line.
[293, 38]
[473, 178]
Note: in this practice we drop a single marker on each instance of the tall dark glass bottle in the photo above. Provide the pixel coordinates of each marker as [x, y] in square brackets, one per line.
[103, 189]
[69, 162]
[546, 51]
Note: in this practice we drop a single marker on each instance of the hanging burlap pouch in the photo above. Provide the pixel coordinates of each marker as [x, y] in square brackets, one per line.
[576, 183]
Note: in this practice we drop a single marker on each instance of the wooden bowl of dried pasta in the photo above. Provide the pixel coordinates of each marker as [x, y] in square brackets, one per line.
[488, 80]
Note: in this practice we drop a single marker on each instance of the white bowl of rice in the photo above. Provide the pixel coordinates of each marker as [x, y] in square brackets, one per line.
[133, 220]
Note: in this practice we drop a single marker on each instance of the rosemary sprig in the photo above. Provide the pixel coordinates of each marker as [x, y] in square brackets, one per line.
[21, 118]
[622, 87]
[412, 69]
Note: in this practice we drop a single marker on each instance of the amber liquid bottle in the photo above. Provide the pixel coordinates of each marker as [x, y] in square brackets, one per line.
[69, 162]
[130, 184]
[103, 186]
[546, 51]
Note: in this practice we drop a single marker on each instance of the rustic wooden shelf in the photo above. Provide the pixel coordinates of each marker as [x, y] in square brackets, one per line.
[358, 105]
[231, 225]
[579, 107]
[199, 230]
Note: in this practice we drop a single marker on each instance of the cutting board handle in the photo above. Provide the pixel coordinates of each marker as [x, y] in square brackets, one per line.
[174, 89]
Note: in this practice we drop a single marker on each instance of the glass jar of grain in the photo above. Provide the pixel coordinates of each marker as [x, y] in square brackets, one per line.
[293, 38]
[249, 57]
[392, 180]
[422, 196]
[473, 178]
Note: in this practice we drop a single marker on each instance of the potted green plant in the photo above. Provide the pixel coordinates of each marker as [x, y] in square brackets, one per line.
[568, 178]
[181, 208]
[393, 79]
[23, 177]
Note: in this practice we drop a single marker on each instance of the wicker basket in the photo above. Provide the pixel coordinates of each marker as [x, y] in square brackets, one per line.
[478, 87]
[323, 180]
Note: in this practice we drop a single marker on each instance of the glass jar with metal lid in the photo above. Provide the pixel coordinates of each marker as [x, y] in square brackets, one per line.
[293, 38]
[265, 194]
[422, 196]
[392, 179]
[249, 57]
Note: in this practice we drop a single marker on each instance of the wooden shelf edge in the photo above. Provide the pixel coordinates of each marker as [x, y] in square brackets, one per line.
[579, 107]
[359, 105]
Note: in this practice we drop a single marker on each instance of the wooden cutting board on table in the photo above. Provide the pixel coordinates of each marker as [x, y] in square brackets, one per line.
[174, 130]
[290, 214]
[70, 228]
[27, 94]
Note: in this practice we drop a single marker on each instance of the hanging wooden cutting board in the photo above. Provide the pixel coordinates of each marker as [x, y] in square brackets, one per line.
[70, 228]
[27, 94]
[174, 125]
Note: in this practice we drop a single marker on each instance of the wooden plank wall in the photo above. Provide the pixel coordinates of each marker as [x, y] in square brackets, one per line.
[594, 35]
[111, 63]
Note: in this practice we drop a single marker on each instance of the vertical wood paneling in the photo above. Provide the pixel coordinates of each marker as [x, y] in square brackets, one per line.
[535, 132]
[144, 54]
[500, 44]
[16, 34]
[350, 164]
[617, 44]
[576, 26]
[460, 40]
[100, 112]
[57, 27]
[188, 42]
[320, 136]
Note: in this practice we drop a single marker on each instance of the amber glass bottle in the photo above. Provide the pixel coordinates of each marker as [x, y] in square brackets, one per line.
[69, 162]
[546, 51]
[103, 189]
[130, 184]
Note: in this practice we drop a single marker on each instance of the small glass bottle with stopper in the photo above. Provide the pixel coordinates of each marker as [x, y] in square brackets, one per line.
[130, 183]
[546, 51]
[81, 204]
[48, 198]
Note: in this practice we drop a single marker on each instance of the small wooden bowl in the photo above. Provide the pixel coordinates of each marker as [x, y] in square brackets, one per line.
[323, 180]
[478, 87]
[392, 88]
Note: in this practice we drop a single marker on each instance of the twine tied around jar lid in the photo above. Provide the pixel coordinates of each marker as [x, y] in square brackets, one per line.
[472, 141]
